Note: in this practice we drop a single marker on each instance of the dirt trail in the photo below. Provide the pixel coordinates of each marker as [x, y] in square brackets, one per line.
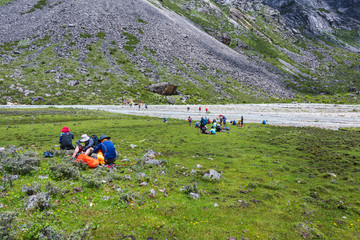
[300, 115]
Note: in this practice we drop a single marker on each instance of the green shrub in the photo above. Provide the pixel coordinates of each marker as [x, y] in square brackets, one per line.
[20, 164]
[64, 170]
[6, 220]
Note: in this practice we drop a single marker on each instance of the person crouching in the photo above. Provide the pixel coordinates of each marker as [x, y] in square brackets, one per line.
[108, 150]
[65, 139]
[87, 149]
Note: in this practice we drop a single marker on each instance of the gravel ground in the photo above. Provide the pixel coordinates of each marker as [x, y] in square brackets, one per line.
[300, 115]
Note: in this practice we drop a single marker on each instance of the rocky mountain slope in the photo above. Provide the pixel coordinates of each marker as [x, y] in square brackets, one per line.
[213, 51]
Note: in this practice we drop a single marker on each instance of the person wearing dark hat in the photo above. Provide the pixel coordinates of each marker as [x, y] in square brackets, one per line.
[108, 150]
[87, 149]
[66, 138]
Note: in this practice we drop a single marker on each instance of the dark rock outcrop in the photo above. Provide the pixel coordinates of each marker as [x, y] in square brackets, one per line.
[164, 88]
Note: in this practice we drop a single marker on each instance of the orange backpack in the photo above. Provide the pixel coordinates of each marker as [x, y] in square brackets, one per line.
[92, 162]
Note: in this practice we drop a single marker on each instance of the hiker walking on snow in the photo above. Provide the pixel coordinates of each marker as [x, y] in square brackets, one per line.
[206, 110]
[87, 149]
[108, 150]
[199, 109]
[66, 138]
[188, 108]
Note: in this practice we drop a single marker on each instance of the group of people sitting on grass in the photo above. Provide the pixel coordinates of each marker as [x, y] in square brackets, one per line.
[103, 147]
[217, 125]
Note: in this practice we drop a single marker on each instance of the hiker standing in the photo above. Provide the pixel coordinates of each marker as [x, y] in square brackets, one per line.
[146, 106]
[139, 106]
[199, 109]
[224, 120]
[188, 108]
[221, 119]
[66, 138]
[165, 120]
[87, 149]
[108, 150]
[242, 121]
[206, 110]
[190, 120]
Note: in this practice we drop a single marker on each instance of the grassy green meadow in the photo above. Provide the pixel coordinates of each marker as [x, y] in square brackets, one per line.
[278, 182]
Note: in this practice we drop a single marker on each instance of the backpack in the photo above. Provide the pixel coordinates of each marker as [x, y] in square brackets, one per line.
[96, 140]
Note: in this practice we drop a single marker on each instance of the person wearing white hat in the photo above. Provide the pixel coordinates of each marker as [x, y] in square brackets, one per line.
[87, 149]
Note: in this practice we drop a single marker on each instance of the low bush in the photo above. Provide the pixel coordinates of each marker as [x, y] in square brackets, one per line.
[20, 164]
[6, 223]
[64, 170]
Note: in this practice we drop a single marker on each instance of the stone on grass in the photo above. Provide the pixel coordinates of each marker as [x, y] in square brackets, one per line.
[133, 145]
[105, 198]
[140, 174]
[73, 83]
[77, 189]
[151, 154]
[143, 184]
[154, 162]
[127, 177]
[43, 177]
[162, 173]
[40, 200]
[216, 205]
[198, 166]
[193, 172]
[2, 188]
[212, 174]
[194, 195]
[152, 193]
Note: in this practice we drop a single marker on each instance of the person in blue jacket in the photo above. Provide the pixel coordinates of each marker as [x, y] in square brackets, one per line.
[108, 150]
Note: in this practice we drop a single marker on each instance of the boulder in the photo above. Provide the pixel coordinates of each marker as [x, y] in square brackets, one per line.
[164, 88]
[73, 83]
[170, 100]
[34, 99]
[212, 174]
[40, 200]
[194, 195]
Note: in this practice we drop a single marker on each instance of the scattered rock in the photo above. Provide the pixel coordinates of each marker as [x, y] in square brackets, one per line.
[198, 166]
[193, 172]
[170, 100]
[216, 205]
[152, 193]
[231, 238]
[43, 177]
[77, 189]
[2, 188]
[119, 190]
[127, 177]
[162, 173]
[105, 198]
[151, 154]
[133, 145]
[40, 200]
[73, 83]
[194, 195]
[58, 93]
[212, 174]
[143, 184]
[34, 99]
[154, 162]
[140, 174]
